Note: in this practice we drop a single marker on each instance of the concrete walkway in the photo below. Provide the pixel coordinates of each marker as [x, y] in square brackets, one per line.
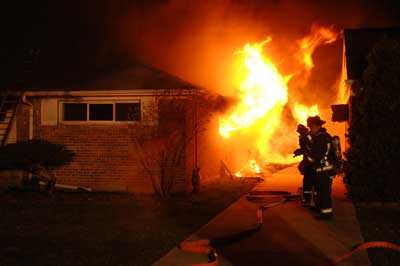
[290, 235]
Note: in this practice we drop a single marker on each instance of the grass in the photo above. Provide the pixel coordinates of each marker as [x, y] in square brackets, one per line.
[103, 228]
[380, 223]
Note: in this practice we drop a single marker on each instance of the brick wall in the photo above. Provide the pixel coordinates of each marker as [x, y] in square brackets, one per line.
[107, 158]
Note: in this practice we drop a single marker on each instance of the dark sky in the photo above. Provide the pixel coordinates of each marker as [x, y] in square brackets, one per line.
[97, 23]
[174, 35]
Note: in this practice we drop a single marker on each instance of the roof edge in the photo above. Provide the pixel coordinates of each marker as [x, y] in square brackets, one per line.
[106, 93]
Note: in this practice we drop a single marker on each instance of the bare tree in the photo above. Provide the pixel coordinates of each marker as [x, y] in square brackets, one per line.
[181, 119]
[161, 157]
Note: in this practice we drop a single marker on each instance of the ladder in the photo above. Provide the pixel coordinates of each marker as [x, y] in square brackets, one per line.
[9, 101]
[8, 109]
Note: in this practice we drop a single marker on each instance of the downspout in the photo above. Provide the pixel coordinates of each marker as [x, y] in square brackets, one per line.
[196, 125]
[25, 101]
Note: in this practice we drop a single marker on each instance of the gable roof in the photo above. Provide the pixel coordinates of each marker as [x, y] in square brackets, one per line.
[119, 76]
[358, 44]
[138, 77]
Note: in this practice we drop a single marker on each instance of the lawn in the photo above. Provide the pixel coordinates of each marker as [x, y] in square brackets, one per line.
[103, 228]
[380, 223]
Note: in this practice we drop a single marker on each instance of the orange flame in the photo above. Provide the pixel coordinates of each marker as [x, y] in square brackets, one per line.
[262, 93]
[343, 89]
[252, 167]
[262, 90]
[301, 112]
[319, 35]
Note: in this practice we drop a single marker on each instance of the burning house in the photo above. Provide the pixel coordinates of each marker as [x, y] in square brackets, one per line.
[107, 116]
[117, 120]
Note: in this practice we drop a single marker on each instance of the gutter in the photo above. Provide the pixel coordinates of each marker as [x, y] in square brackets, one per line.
[111, 92]
[25, 101]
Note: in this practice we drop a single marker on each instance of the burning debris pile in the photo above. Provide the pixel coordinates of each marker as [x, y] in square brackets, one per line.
[263, 120]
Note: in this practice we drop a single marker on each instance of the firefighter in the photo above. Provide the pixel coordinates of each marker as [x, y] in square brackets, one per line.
[305, 167]
[321, 160]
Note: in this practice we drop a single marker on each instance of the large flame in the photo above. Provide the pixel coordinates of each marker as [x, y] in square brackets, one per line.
[262, 92]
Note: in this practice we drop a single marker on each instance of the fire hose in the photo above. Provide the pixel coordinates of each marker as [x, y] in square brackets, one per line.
[262, 198]
[364, 246]
[210, 246]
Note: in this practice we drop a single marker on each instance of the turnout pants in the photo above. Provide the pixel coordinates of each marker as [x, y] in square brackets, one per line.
[324, 191]
[308, 185]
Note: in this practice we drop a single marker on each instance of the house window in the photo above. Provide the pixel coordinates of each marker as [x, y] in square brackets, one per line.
[75, 112]
[92, 111]
[101, 112]
[127, 112]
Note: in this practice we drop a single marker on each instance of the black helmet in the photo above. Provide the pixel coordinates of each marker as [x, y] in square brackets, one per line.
[302, 129]
[315, 120]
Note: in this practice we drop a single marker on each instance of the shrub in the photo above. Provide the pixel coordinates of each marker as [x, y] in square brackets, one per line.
[374, 164]
[37, 157]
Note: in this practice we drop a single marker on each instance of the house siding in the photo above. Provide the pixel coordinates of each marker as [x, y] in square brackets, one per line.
[106, 156]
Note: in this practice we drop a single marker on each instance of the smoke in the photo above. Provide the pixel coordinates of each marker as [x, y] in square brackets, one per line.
[196, 39]
[192, 39]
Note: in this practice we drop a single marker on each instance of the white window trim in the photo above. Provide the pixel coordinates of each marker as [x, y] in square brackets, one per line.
[98, 101]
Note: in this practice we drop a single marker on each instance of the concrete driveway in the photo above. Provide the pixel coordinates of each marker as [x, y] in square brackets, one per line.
[290, 235]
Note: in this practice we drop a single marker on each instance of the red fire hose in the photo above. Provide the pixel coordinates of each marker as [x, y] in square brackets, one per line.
[364, 246]
[204, 247]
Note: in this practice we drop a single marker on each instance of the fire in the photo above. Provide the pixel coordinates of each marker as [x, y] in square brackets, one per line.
[257, 121]
[301, 112]
[319, 36]
[262, 91]
[343, 89]
[252, 167]
[263, 94]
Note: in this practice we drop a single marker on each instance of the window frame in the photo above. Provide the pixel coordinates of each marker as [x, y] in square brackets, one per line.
[72, 121]
[99, 101]
[128, 121]
[88, 112]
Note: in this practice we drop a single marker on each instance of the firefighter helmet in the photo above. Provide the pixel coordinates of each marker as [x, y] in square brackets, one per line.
[315, 120]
